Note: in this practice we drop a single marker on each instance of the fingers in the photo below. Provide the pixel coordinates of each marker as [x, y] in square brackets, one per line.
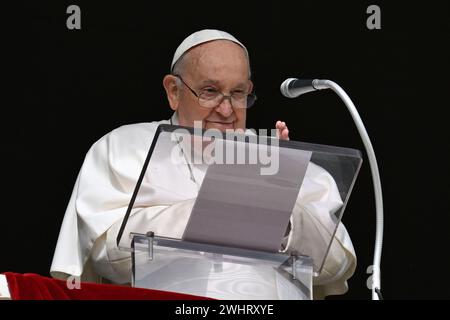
[280, 125]
[282, 130]
[284, 134]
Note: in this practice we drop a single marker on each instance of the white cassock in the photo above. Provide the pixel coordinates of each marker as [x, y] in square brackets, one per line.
[87, 241]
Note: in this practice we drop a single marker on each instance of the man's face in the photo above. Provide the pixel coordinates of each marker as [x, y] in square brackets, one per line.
[217, 65]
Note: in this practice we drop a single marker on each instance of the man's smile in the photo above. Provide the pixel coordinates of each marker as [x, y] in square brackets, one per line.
[221, 125]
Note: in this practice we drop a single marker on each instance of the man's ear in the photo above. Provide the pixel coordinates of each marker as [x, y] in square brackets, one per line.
[172, 91]
[250, 86]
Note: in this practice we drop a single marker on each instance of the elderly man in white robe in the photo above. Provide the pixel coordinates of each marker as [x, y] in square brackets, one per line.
[208, 62]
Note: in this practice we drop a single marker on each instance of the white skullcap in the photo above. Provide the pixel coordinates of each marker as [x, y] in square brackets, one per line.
[200, 37]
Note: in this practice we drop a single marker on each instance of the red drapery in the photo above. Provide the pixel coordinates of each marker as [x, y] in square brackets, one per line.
[30, 286]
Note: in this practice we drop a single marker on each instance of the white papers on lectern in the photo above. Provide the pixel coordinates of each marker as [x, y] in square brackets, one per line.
[237, 206]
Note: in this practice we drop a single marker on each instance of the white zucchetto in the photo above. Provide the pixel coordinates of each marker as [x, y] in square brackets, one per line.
[200, 37]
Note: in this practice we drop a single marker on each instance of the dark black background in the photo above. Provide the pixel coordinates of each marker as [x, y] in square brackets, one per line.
[67, 88]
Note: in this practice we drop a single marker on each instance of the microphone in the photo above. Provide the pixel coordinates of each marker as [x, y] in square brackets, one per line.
[293, 87]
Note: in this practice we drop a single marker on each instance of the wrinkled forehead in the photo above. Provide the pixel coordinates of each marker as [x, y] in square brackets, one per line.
[218, 59]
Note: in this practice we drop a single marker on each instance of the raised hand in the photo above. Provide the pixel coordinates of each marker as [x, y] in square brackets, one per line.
[282, 130]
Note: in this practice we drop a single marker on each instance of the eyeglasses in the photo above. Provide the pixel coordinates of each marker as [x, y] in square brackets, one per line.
[211, 98]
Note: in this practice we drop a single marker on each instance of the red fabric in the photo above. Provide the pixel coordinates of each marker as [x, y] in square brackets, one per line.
[30, 286]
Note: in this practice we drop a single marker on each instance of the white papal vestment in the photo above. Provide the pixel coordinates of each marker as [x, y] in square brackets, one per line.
[86, 245]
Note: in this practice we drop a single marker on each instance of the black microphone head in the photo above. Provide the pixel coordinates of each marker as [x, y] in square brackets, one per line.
[293, 87]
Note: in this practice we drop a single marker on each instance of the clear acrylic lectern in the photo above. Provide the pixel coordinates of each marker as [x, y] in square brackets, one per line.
[220, 263]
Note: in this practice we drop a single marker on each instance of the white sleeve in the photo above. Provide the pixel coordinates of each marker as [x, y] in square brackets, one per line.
[168, 221]
[312, 225]
[103, 191]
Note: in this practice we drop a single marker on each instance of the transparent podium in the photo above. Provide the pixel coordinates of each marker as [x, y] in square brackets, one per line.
[259, 226]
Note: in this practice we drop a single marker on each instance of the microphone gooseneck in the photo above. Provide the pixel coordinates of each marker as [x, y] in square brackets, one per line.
[293, 88]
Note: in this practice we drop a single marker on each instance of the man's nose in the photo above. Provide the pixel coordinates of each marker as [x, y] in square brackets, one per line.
[225, 108]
